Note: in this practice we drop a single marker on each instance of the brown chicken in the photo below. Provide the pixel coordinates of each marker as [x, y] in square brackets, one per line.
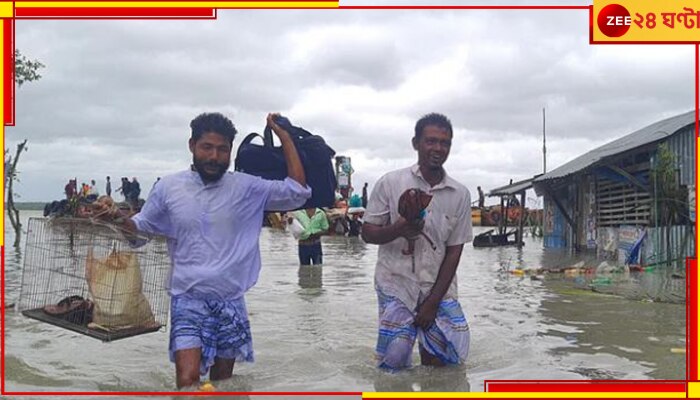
[412, 204]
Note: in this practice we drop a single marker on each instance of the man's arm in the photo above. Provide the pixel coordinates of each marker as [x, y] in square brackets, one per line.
[152, 219]
[295, 169]
[376, 234]
[108, 213]
[427, 311]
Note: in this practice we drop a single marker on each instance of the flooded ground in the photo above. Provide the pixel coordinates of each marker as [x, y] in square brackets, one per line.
[314, 329]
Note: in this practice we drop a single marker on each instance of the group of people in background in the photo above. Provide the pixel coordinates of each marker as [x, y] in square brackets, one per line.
[85, 191]
[130, 189]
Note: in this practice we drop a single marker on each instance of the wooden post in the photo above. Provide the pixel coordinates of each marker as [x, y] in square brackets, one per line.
[522, 219]
[501, 229]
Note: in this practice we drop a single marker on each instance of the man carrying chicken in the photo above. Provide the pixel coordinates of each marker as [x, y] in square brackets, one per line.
[417, 288]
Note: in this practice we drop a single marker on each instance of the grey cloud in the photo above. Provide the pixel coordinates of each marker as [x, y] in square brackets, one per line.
[117, 96]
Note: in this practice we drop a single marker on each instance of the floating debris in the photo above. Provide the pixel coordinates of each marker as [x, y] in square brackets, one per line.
[677, 350]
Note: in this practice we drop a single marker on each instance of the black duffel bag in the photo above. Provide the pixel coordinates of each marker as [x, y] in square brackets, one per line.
[267, 161]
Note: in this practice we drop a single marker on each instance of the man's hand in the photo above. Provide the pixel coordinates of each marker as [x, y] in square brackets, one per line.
[104, 209]
[295, 169]
[408, 229]
[276, 128]
[427, 312]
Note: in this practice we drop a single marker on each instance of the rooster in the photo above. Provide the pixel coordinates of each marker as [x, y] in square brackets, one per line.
[412, 205]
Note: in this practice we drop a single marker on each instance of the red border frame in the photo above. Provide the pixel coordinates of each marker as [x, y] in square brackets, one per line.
[500, 386]
[114, 13]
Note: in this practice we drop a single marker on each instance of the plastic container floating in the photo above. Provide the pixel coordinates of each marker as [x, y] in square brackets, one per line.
[601, 281]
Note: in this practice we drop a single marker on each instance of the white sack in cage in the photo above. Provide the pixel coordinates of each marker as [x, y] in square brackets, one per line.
[115, 286]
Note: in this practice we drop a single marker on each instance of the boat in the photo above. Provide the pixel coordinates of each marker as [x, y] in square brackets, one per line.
[491, 239]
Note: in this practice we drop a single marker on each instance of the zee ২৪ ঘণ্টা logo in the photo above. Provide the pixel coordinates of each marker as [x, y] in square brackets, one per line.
[614, 20]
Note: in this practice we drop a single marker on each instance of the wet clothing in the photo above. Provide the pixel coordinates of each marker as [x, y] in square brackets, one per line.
[403, 281]
[311, 254]
[213, 229]
[310, 250]
[220, 327]
[447, 339]
[447, 223]
[318, 223]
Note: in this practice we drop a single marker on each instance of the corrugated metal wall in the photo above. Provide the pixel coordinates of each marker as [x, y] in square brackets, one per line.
[655, 249]
[683, 146]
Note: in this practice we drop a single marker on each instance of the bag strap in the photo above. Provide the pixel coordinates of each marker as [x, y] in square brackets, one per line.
[295, 132]
[268, 139]
[245, 141]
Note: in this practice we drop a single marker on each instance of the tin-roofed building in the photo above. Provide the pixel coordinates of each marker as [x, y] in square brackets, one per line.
[613, 200]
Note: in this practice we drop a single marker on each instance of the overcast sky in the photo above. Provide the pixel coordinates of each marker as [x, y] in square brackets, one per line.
[116, 97]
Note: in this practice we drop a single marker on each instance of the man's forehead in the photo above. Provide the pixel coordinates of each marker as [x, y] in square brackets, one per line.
[213, 136]
[436, 130]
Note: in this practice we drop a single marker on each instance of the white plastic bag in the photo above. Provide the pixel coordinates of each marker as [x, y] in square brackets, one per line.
[296, 228]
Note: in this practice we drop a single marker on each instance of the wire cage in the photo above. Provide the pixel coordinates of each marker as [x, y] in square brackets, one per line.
[85, 276]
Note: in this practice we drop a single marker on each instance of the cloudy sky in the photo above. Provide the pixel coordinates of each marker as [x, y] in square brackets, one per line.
[116, 97]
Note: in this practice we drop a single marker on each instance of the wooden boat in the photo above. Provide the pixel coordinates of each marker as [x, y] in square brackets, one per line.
[491, 239]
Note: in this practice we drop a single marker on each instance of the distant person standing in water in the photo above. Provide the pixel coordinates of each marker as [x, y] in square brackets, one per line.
[315, 224]
[108, 187]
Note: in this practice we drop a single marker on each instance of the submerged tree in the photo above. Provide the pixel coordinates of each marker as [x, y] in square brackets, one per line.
[10, 178]
[26, 70]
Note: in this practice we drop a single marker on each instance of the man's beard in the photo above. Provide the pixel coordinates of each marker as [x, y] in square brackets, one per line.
[206, 176]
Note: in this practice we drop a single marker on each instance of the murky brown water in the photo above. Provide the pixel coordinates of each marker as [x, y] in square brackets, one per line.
[314, 330]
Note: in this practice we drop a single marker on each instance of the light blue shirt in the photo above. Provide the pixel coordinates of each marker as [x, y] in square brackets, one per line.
[213, 229]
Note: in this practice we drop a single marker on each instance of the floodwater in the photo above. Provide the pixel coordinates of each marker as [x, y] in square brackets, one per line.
[314, 329]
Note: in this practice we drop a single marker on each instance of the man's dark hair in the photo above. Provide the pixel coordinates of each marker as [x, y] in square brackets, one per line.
[434, 119]
[213, 122]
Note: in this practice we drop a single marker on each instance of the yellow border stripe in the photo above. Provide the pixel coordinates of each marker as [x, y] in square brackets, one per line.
[2, 136]
[526, 395]
[7, 9]
[693, 389]
[184, 4]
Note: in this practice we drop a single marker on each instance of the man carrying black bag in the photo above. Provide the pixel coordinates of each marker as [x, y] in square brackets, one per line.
[212, 220]
[267, 161]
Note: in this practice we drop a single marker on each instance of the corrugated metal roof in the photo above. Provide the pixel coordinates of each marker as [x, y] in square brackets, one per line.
[652, 133]
[513, 188]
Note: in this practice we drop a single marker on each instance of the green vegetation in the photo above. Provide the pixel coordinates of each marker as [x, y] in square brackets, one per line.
[29, 206]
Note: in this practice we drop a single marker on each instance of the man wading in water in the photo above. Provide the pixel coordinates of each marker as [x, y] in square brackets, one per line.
[418, 291]
[212, 221]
